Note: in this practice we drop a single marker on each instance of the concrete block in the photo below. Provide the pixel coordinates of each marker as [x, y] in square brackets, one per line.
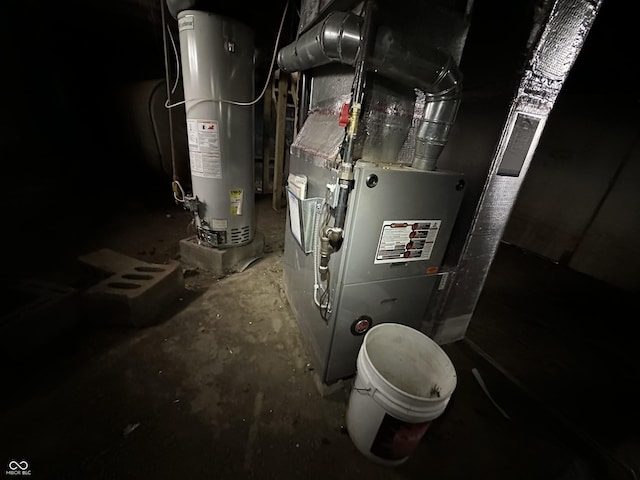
[137, 294]
[110, 261]
[221, 261]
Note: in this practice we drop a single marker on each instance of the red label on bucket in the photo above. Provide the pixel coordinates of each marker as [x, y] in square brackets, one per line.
[396, 439]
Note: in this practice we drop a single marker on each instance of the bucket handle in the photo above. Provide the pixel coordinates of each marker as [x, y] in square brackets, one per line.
[360, 390]
[371, 391]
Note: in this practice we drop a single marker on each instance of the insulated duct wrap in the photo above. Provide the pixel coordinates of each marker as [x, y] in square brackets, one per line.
[431, 70]
[318, 141]
[415, 66]
[387, 116]
[553, 54]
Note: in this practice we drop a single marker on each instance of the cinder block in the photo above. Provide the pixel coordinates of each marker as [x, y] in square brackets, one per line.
[110, 261]
[137, 294]
[221, 261]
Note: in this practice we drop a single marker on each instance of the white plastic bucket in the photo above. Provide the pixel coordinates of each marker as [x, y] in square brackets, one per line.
[404, 381]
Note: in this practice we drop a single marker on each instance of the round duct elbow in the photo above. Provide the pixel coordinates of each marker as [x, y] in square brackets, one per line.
[336, 39]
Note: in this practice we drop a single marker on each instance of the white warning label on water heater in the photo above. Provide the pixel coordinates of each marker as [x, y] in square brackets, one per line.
[186, 23]
[204, 148]
[406, 240]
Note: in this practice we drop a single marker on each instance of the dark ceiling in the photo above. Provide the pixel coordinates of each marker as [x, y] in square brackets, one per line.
[122, 40]
[67, 60]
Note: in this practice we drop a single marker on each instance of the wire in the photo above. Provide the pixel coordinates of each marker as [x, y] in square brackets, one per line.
[325, 300]
[324, 304]
[266, 83]
[476, 374]
[167, 75]
[273, 59]
[316, 253]
[175, 53]
[175, 195]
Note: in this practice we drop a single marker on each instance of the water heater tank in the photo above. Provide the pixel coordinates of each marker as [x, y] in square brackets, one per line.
[217, 58]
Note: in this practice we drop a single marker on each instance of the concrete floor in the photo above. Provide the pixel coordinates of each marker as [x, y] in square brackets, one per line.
[220, 387]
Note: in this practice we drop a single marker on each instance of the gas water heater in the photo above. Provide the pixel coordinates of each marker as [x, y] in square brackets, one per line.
[217, 58]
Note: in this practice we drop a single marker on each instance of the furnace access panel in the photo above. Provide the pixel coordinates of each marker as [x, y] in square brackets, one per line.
[398, 227]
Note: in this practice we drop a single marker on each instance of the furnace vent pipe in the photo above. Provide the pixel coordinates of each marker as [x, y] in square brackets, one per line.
[337, 39]
[433, 132]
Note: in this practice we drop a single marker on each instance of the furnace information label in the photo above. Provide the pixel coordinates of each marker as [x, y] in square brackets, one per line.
[204, 148]
[406, 240]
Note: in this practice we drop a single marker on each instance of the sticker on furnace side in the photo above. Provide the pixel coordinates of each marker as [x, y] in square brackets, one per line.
[204, 148]
[406, 240]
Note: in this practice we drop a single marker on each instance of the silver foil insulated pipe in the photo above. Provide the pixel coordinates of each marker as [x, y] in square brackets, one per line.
[336, 39]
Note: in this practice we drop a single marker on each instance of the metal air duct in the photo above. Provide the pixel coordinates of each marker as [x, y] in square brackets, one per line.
[338, 39]
[431, 70]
